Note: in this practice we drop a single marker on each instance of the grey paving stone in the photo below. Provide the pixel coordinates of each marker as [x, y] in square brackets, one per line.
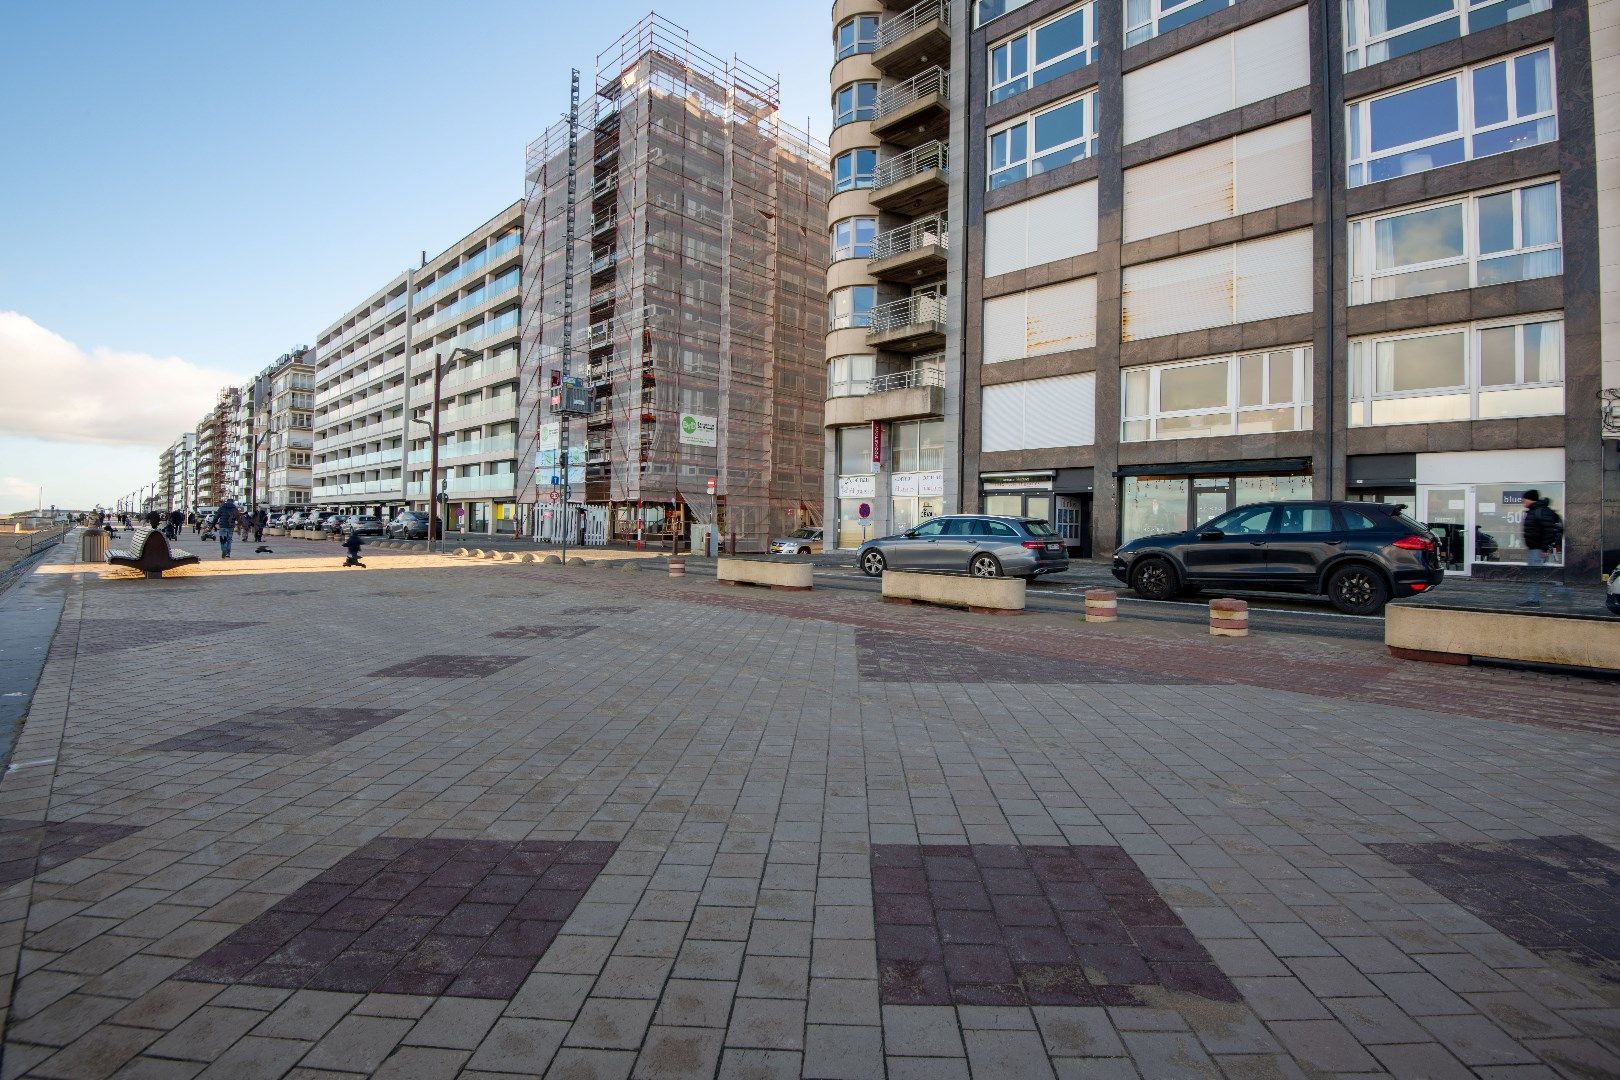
[843, 1051]
[678, 1053]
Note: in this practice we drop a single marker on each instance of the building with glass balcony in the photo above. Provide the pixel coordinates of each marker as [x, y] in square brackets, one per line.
[291, 435]
[1182, 254]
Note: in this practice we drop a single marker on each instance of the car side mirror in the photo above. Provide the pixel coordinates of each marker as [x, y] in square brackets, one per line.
[912, 535]
[1211, 534]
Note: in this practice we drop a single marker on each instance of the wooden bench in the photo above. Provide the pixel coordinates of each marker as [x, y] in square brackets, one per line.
[150, 553]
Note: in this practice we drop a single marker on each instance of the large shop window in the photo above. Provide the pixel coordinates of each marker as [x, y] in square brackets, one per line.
[1150, 505]
[1147, 19]
[1042, 53]
[1477, 372]
[1053, 319]
[851, 307]
[1044, 141]
[1247, 282]
[1039, 413]
[1510, 235]
[1248, 65]
[857, 35]
[1256, 170]
[1377, 30]
[1227, 395]
[1058, 225]
[854, 169]
[1487, 109]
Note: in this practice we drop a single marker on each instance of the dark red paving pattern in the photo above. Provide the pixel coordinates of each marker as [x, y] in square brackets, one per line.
[447, 666]
[1558, 896]
[463, 918]
[1003, 924]
[894, 657]
[559, 632]
[27, 847]
[280, 731]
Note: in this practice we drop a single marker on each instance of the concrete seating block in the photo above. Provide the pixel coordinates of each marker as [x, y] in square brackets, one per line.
[1456, 635]
[982, 596]
[789, 576]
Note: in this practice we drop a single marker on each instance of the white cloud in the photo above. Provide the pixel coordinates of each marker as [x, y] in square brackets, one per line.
[54, 390]
[14, 487]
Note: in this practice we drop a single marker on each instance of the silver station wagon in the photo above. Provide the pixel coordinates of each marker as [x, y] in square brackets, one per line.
[978, 544]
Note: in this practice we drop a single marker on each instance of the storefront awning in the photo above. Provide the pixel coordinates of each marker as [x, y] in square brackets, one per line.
[1218, 468]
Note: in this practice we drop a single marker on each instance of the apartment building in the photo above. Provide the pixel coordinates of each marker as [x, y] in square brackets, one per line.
[696, 292]
[890, 460]
[291, 436]
[176, 473]
[208, 462]
[374, 388]
[1205, 252]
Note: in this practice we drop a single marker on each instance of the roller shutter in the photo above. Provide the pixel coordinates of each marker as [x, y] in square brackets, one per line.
[1040, 413]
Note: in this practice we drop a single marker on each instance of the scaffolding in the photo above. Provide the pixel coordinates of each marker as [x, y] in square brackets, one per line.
[699, 269]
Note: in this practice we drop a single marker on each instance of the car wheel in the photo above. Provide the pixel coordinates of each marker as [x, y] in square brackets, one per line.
[1358, 590]
[1613, 603]
[1154, 579]
[984, 566]
[873, 564]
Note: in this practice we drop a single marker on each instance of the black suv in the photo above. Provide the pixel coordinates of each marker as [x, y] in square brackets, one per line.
[1359, 555]
[409, 525]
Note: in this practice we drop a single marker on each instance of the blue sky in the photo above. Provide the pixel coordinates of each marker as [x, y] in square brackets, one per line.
[215, 182]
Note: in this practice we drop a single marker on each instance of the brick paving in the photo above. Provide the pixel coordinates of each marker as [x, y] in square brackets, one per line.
[494, 819]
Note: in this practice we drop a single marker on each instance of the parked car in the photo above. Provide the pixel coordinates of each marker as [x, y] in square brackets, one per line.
[806, 541]
[409, 525]
[359, 523]
[305, 520]
[1359, 555]
[276, 521]
[332, 524]
[978, 544]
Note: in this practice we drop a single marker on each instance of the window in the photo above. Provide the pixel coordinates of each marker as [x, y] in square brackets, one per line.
[1487, 239]
[1377, 30]
[1304, 519]
[853, 169]
[916, 446]
[1228, 395]
[986, 10]
[1477, 372]
[857, 35]
[849, 376]
[1244, 521]
[857, 101]
[1061, 134]
[852, 238]
[851, 307]
[1039, 55]
[1147, 19]
[1488, 109]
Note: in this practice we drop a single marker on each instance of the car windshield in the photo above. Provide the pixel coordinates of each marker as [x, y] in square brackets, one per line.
[1039, 528]
[805, 534]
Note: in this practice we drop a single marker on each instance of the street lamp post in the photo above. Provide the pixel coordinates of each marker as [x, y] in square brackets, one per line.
[433, 440]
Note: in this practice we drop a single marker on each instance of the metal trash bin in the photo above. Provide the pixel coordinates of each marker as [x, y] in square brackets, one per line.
[93, 546]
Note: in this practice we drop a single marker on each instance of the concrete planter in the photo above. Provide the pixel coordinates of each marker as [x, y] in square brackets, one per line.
[794, 576]
[982, 596]
[1456, 635]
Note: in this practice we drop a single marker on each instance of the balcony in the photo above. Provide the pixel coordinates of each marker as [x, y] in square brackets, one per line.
[470, 448]
[914, 39]
[911, 253]
[915, 182]
[915, 111]
[909, 325]
[494, 484]
[909, 394]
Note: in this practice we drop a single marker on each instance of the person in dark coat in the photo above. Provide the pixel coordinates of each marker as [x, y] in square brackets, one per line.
[176, 519]
[261, 517]
[1543, 535]
[154, 520]
[353, 542]
[225, 521]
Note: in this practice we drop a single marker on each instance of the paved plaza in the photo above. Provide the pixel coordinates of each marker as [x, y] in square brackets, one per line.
[445, 817]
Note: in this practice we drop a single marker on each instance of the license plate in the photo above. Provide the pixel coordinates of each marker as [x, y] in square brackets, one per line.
[1054, 547]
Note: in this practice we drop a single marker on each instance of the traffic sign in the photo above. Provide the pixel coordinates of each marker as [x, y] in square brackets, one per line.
[554, 495]
[711, 485]
[866, 510]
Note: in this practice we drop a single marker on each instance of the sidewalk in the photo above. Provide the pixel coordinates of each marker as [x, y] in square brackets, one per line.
[446, 817]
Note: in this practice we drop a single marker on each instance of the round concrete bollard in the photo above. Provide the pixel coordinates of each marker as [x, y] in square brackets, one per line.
[1102, 605]
[576, 561]
[527, 556]
[462, 551]
[630, 564]
[552, 560]
[1229, 618]
[677, 566]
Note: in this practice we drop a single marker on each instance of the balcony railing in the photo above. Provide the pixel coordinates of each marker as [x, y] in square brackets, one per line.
[920, 309]
[918, 234]
[935, 80]
[930, 155]
[495, 250]
[895, 27]
[494, 444]
[910, 379]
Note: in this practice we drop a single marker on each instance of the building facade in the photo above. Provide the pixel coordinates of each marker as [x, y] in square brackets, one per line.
[374, 388]
[291, 437]
[696, 293]
[1208, 253]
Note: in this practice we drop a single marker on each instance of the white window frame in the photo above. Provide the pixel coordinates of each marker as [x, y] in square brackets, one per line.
[1363, 360]
[1360, 40]
[852, 318]
[980, 17]
[856, 41]
[1029, 38]
[1300, 362]
[1028, 121]
[1363, 242]
[841, 377]
[852, 249]
[857, 111]
[1358, 115]
[1158, 11]
[855, 172]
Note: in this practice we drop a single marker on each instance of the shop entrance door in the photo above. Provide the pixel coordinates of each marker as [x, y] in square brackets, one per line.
[1211, 498]
[1449, 514]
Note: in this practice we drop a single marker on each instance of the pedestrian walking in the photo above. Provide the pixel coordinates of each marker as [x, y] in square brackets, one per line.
[353, 542]
[176, 519]
[1543, 535]
[154, 520]
[224, 520]
[261, 517]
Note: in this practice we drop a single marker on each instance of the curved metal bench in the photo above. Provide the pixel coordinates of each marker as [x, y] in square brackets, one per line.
[150, 553]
